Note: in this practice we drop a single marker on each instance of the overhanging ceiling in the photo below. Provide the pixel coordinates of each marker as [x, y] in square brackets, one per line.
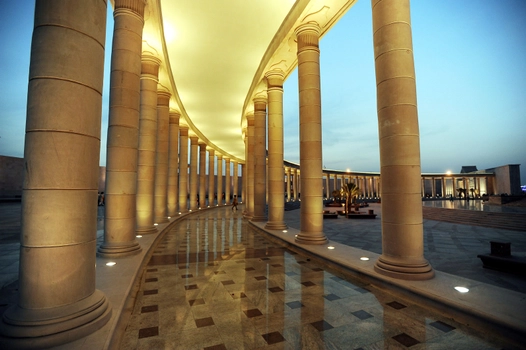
[215, 53]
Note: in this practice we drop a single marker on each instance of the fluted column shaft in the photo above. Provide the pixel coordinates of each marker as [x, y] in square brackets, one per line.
[402, 223]
[211, 176]
[147, 146]
[173, 165]
[219, 179]
[161, 157]
[228, 181]
[202, 175]
[243, 182]
[276, 174]
[311, 224]
[194, 182]
[57, 300]
[183, 169]
[260, 159]
[123, 136]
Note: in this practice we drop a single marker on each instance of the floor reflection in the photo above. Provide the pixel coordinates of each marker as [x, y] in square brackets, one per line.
[213, 283]
[477, 205]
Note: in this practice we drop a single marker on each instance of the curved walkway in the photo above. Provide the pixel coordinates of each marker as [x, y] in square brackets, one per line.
[238, 249]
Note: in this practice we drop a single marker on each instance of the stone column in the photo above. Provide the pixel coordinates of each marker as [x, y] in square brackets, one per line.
[183, 169]
[173, 164]
[194, 140]
[219, 179]
[311, 224]
[244, 182]
[433, 188]
[202, 175]
[260, 159]
[228, 181]
[211, 176]
[288, 184]
[276, 192]
[454, 186]
[327, 188]
[123, 134]
[423, 181]
[250, 167]
[147, 146]
[161, 157]
[443, 192]
[402, 229]
[236, 180]
[57, 300]
[295, 186]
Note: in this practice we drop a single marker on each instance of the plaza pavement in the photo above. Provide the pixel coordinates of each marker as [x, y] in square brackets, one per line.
[496, 297]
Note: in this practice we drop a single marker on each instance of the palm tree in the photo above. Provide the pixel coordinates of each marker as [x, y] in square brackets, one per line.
[349, 191]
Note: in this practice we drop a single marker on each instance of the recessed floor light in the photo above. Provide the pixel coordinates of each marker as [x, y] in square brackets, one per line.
[364, 258]
[285, 231]
[462, 289]
[139, 236]
[330, 247]
[111, 263]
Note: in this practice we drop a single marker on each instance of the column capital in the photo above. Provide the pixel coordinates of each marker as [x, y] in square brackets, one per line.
[250, 121]
[260, 105]
[163, 98]
[183, 130]
[194, 140]
[219, 156]
[150, 67]
[211, 151]
[174, 117]
[135, 6]
[308, 34]
[275, 79]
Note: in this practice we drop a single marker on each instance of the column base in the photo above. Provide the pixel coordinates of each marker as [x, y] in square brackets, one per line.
[44, 328]
[417, 271]
[114, 250]
[162, 220]
[311, 238]
[146, 230]
[276, 225]
[256, 218]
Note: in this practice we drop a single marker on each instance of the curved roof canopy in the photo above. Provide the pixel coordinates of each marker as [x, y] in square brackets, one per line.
[215, 54]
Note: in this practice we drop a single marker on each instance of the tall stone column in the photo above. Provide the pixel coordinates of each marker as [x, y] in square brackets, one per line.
[123, 133]
[236, 180]
[228, 181]
[260, 159]
[295, 186]
[173, 165]
[183, 169]
[194, 140]
[311, 224]
[243, 182]
[57, 301]
[250, 167]
[147, 146]
[276, 192]
[211, 176]
[219, 179]
[161, 157]
[288, 183]
[402, 229]
[327, 182]
[202, 175]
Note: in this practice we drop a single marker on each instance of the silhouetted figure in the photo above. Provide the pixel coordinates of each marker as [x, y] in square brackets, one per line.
[234, 203]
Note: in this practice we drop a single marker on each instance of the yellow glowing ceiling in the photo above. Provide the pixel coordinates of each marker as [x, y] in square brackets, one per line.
[215, 54]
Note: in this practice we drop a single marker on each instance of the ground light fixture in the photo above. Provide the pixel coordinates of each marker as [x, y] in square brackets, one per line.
[138, 236]
[111, 263]
[461, 289]
[330, 247]
[155, 224]
[285, 231]
[364, 258]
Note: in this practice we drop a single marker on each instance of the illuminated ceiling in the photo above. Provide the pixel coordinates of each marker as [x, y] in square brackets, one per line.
[215, 53]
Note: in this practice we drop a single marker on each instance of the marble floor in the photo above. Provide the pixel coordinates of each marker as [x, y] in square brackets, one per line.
[213, 282]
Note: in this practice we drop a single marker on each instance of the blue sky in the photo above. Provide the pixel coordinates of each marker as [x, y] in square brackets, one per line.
[470, 71]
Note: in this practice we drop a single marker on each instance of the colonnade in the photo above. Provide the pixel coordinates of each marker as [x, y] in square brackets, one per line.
[145, 168]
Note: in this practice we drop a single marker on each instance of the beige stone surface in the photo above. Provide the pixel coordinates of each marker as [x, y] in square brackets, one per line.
[173, 165]
[161, 160]
[194, 182]
[183, 169]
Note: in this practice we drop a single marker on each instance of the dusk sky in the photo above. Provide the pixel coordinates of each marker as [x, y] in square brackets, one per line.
[470, 61]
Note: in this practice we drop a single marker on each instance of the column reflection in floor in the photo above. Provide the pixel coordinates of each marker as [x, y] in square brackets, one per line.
[213, 282]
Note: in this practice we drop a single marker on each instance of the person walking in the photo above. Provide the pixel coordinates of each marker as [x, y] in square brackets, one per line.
[234, 203]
